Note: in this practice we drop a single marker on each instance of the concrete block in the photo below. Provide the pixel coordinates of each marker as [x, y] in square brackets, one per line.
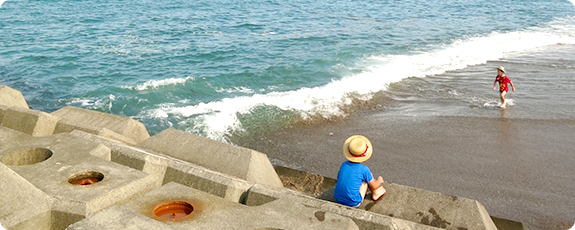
[65, 125]
[32, 122]
[2, 110]
[17, 148]
[504, 224]
[118, 218]
[167, 169]
[208, 181]
[232, 160]
[151, 163]
[7, 135]
[12, 97]
[260, 195]
[212, 212]
[53, 163]
[22, 205]
[125, 126]
[305, 182]
[430, 208]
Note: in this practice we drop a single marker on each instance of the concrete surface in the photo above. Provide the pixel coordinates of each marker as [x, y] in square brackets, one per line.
[24, 206]
[12, 97]
[118, 218]
[259, 195]
[168, 169]
[125, 126]
[2, 110]
[32, 122]
[212, 212]
[50, 162]
[66, 126]
[305, 182]
[231, 160]
[426, 207]
[432, 208]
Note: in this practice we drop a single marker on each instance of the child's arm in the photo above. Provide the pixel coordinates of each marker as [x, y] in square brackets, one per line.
[512, 86]
[374, 184]
[494, 84]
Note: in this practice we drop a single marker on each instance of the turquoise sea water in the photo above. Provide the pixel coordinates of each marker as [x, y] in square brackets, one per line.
[217, 68]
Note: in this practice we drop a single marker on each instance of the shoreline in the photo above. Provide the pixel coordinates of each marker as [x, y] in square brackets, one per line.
[519, 169]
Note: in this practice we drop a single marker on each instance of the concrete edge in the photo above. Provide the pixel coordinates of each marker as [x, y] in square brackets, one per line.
[261, 195]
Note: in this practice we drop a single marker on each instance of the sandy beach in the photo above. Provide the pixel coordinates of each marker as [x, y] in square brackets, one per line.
[519, 169]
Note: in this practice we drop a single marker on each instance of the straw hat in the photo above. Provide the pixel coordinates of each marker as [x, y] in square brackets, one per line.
[357, 149]
[501, 68]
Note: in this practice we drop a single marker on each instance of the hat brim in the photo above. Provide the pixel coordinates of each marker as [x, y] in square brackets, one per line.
[353, 158]
[501, 70]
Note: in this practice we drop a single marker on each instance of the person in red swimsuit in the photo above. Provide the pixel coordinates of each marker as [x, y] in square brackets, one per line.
[503, 80]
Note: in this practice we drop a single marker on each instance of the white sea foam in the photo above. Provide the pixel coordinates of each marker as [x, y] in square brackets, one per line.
[84, 102]
[497, 104]
[234, 90]
[218, 117]
[154, 84]
[1, 1]
[92, 102]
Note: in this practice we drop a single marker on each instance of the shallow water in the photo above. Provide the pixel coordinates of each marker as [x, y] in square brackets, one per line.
[544, 78]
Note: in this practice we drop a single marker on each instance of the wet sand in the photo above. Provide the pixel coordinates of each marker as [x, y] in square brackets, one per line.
[519, 169]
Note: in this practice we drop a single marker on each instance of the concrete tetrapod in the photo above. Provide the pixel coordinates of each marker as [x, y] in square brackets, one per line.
[52, 163]
[12, 97]
[31, 122]
[168, 169]
[23, 205]
[427, 207]
[212, 212]
[125, 126]
[432, 208]
[240, 162]
[261, 195]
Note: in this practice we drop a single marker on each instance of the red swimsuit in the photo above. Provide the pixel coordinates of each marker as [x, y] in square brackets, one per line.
[503, 81]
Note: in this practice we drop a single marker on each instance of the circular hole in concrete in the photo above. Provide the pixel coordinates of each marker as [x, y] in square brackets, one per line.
[173, 210]
[86, 178]
[26, 156]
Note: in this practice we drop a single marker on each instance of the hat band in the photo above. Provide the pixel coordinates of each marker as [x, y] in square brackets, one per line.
[360, 155]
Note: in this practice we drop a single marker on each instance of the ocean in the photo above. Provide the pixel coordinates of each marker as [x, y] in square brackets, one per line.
[258, 72]
[225, 68]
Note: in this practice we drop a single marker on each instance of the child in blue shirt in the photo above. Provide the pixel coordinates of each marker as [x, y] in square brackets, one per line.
[354, 178]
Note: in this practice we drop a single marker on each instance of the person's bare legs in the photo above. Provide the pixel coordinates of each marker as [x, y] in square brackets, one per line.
[503, 99]
[363, 190]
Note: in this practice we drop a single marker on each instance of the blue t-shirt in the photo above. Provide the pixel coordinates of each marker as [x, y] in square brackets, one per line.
[349, 179]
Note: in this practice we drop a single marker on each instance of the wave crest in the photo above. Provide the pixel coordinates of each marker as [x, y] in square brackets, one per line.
[154, 84]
